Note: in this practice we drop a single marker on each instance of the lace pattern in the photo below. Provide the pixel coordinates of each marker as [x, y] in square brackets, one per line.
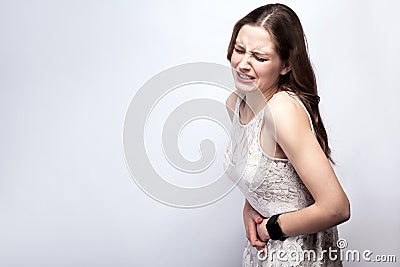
[272, 186]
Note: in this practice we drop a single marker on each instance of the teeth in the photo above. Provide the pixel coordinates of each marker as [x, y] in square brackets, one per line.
[243, 76]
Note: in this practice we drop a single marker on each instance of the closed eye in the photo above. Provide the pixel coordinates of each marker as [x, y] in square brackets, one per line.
[260, 59]
[239, 51]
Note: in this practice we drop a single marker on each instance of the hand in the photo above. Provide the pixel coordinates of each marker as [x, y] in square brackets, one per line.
[262, 230]
[251, 218]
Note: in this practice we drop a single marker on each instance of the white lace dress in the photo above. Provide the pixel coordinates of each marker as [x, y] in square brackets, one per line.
[272, 186]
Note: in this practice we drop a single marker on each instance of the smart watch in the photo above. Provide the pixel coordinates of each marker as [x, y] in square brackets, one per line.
[273, 228]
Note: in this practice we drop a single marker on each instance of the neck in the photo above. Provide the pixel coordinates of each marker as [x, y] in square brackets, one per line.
[256, 100]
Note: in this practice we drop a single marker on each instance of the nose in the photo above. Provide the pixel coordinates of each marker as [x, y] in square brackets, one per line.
[244, 62]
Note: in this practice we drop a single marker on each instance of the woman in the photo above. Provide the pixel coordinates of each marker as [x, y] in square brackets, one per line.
[280, 147]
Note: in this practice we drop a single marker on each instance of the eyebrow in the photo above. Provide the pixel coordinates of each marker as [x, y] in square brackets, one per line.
[254, 51]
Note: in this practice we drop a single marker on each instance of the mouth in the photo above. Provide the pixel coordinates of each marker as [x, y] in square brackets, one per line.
[244, 77]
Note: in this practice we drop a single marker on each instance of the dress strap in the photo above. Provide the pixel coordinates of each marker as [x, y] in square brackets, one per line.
[301, 103]
[239, 99]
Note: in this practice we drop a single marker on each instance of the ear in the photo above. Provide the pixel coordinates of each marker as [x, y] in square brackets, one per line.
[286, 68]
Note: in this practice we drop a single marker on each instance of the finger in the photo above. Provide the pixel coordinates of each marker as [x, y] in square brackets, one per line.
[258, 244]
[252, 231]
[255, 240]
[259, 220]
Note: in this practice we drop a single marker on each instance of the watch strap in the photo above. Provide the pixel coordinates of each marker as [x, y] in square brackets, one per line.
[274, 229]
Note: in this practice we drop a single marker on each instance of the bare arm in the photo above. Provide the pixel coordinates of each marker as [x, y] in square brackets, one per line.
[294, 135]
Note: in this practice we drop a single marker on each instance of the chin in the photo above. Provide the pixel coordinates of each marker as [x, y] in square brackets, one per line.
[245, 87]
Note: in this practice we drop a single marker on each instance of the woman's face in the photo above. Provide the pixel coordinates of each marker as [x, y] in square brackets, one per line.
[255, 63]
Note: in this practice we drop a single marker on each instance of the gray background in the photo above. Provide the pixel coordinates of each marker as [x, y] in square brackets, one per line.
[68, 70]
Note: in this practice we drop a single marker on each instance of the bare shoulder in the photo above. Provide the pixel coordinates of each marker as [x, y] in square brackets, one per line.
[281, 105]
[231, 103]
[287, 114]
[282, 101]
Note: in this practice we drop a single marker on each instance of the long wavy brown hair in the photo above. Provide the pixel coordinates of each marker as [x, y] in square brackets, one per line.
[290, 42]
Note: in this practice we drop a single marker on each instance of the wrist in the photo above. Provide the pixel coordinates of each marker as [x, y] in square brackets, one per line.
[248, 207]
[264, 224]
[246, 204]
[273, 228]
[279, 221]
[262, 230]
